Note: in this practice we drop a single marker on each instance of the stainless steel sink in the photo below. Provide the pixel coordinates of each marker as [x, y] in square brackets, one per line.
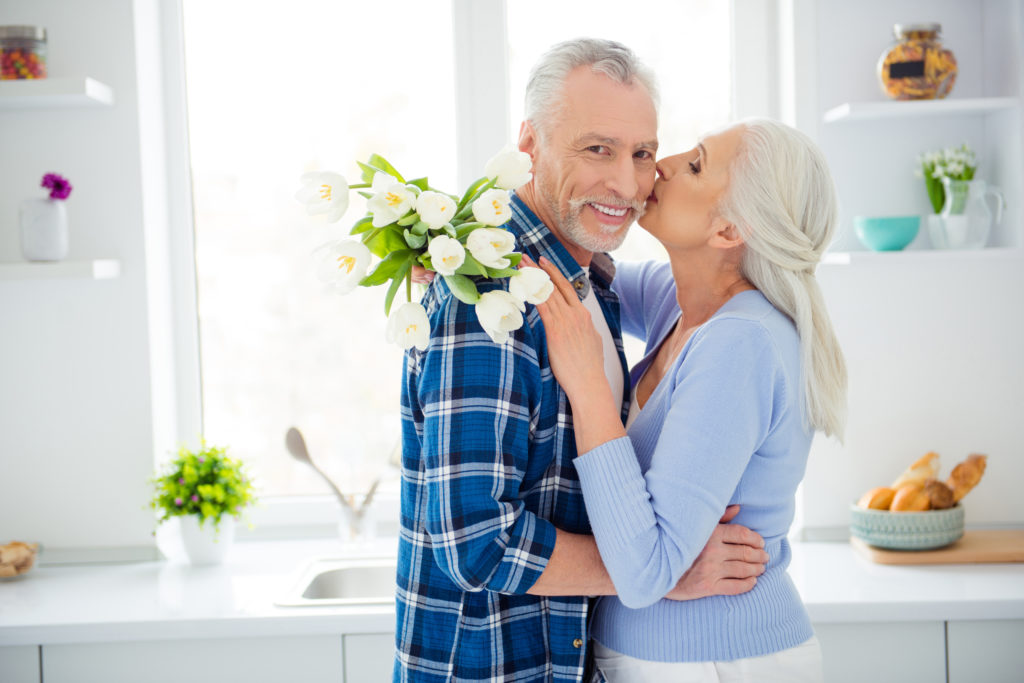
[369, 581]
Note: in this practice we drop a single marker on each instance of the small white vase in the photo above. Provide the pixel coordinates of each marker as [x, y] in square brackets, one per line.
[44, 229]
[206, 544]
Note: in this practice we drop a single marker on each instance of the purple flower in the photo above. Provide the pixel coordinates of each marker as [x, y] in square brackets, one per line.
[179, 502]
[59, 186]
[201, 460]
[181, 481]
[195, 498]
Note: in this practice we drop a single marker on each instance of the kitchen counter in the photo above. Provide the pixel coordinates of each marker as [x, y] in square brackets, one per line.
[170, 600]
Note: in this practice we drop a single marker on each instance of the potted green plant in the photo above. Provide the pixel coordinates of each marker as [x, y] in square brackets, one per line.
[206, 490]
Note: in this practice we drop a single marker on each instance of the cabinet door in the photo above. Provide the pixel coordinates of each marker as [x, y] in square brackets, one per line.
[310, 659]
[369, 657]
[19, 664]
[909, 652]
[986, 651]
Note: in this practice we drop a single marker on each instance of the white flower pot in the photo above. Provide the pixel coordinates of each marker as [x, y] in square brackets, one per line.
[44, 229]
[206, 544]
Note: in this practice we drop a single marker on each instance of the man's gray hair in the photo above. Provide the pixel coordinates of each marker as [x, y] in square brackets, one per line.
[615, 60]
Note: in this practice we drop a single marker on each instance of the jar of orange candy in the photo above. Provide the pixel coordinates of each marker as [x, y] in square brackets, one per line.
[916, 66]
[22, 52]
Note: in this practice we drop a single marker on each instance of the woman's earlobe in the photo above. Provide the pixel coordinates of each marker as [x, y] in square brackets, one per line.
[726, 236]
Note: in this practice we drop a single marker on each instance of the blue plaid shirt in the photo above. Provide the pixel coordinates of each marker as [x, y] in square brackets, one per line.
[487, 476]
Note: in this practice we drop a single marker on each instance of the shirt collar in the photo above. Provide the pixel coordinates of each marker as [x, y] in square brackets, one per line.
[536, 240]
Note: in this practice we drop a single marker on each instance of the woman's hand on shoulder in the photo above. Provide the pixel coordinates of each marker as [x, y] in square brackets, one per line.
[574, 346]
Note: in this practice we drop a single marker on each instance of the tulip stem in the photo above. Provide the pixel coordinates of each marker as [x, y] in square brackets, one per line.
[359, 186]
[408, 286]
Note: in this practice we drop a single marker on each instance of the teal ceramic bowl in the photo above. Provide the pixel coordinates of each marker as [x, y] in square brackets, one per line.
[886, 233]
[907, 530]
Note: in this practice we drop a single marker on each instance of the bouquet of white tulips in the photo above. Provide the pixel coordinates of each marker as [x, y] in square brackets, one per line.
[410, 223]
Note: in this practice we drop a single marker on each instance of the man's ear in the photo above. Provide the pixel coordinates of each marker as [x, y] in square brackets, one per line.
[527, 138]
[725, 235]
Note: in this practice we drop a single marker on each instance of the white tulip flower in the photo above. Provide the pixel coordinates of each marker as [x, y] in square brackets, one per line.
[531, 285]
[446, 254]
[499, 313]
[490, 245]
[510, 167]
[324, 192]
[492, 207]
[435, 209]
[391, 200]
[409, 326]
[342, 263]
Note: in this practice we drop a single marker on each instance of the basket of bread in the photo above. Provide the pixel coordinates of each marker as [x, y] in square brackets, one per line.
[917, 511]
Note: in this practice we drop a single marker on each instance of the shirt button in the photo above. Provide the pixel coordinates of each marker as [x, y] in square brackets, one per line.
[578, 643]
[578, 285]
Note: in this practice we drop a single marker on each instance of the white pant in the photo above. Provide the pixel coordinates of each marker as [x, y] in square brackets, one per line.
[800, 664]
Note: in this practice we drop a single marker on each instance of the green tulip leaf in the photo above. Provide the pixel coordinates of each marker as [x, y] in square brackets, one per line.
[470, 192]
[471, 267]
[462, 288]
[386, 268]
[501, 272]
[413, 240]
[409, 219]
[380, 162]
[401, 274]
[362, 225]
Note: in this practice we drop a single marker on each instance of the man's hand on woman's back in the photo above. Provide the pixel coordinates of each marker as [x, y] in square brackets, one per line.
[729, 564]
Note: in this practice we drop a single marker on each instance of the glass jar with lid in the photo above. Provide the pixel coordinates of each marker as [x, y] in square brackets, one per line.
[22, 52]
[916, 66]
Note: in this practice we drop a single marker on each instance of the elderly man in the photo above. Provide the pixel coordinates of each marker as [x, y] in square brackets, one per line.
[495, 556]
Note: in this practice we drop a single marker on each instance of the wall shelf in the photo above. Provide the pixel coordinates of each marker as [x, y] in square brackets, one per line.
[96, 269]
[891, 109]
[54, 93]
[846, 258]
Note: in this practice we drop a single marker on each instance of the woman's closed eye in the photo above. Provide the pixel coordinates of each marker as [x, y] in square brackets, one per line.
[695, 166]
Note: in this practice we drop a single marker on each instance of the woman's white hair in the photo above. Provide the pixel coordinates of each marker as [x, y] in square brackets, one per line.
[782, 199]
[615, 60]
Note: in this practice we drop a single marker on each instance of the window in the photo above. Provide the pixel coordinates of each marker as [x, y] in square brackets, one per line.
[277, 90]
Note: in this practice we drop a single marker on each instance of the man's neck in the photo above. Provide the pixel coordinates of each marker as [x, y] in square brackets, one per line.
[528, 193]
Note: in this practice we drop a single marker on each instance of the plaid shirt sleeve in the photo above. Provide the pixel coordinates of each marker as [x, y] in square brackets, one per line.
[478, 400]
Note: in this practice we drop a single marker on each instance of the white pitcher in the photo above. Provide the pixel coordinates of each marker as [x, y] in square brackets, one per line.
[965, 220]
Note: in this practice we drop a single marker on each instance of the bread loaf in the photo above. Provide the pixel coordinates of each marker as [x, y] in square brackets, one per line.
[879, 498]
[910, 498]
[939, 494]
[924, 468]
[966, 475]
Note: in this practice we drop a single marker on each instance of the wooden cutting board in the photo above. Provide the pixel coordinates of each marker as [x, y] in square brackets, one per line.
[1001, 545]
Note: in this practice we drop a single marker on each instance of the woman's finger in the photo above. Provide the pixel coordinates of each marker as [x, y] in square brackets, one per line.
[421, 275]
[561, 284]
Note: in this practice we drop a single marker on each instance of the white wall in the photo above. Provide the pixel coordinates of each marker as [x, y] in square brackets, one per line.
[933, 340]
[76, 391]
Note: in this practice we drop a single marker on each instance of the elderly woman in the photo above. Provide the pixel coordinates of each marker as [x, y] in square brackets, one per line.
[741, 368]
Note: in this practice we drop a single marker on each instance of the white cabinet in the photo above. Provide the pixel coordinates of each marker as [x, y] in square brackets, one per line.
[19, 664]
[369, 657]
[909, 652]
[310, 659]
[986, 651]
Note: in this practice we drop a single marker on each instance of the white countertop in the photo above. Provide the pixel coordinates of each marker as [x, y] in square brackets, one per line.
[167, 600]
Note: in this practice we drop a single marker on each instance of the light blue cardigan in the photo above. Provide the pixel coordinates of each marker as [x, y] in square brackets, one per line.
[725, 425]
